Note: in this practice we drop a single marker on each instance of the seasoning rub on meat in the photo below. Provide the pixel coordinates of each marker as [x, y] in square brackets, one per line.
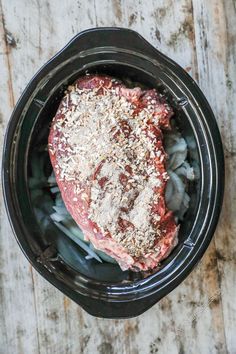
[106, 149]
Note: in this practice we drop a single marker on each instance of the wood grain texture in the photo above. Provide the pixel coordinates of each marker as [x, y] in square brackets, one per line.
[198, 316]
[216, 26]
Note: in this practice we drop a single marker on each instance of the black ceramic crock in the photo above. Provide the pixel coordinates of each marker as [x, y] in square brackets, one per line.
[103, 289]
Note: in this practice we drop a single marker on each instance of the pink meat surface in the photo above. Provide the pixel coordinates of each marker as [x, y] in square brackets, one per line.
[126, 238]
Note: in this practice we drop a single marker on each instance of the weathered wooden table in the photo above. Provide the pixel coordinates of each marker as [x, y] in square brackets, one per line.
[200, 315]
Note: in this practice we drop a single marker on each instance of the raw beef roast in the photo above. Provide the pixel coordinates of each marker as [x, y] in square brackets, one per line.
[106, 149]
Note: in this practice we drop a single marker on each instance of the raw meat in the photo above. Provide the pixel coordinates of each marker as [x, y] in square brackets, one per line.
[106, 149]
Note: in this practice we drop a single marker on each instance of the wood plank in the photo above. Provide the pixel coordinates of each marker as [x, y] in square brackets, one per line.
[38, 37]
[16, 335]
[190, 300]
[216, 26]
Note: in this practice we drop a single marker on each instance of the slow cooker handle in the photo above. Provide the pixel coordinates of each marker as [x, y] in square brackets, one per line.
[116, 310]
[113, 37]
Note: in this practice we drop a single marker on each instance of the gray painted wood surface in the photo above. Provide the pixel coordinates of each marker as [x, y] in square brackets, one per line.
[200, 315]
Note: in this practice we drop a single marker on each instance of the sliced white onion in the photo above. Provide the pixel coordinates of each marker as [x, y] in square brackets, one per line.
[178, 194]
[169, 191]
[61, 210]
[54, 190]
[57, 217]
[180, 157]
[80, 243]
[52, 179]
[179, 146]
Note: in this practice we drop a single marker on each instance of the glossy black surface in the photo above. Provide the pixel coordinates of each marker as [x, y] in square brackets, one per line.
[103, 289]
